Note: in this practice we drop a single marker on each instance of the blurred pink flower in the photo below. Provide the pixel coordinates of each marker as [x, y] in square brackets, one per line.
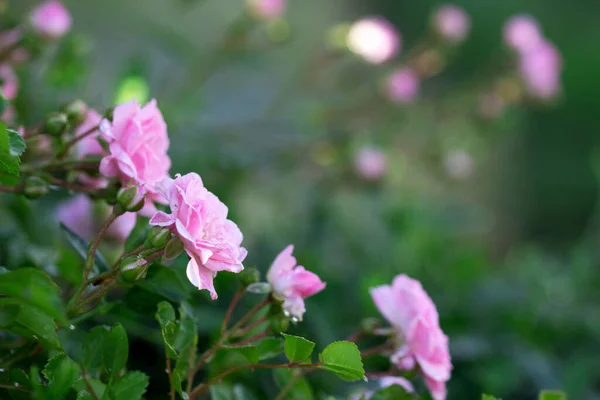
[522, 33]
[89, 144]
[370, 163]
[374, 39]
[292, 283]
[452, 23]
[199, 218]
[10, 82]
[403, 85]
[51, 19]
[138, 149]
[77, 213]
[267, 9]
[540, 68]
[413, 315]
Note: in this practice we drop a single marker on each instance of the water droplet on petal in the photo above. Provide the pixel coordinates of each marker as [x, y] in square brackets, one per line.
[16, 384]
[286, 313]
[294, 320]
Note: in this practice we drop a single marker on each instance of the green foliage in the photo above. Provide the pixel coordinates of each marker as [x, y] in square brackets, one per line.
[33, 287]
[270, 347]
[297, 349]
[552, 395]
[93, 349]
[115, 350]
[250, 353]
[11, 147]
[343, 359]
[35, 324]
[300, 387]
[61, 373]
[130, 386]
[16, 378]
[230, 392]
[394, 392]
[488, 397]
[84, 392]
[81, 246]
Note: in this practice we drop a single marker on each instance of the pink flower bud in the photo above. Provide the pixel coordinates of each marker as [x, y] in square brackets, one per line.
[420, 339]
[199, 219]
[374, 39]
[403, 86]
[452, 23]
[370, 163]
[292, 283]
[522, 33]
[540, 68]
[51, 19]
[267, 9]
[10, 82]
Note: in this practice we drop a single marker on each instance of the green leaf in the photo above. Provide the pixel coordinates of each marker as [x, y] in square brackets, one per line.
[16, 143]
[249, 352]
[300, 388]
[61, 373]
[116, 350]
[552, 395]
[229, 392]
[9, 163]
[165, 315]
[270, 347]
[33, 287]
[185, 333]
[39, 325]
[9, 311]
[84, 392]
[297, 348]
[130, 386]
[92, 348]
[80, 245]
[18, 378]
[488, 397]
[394, 392]
[343, 359]
[164, 281]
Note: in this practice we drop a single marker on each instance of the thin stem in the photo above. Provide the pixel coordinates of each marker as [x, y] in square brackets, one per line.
[87, 163]
[74, 141]
[288, 386]
[248, 328]
[11, 189]
[375, 350]
[204, 386]
[170, 374]
[89, 385]
[236, 298]
[70, 185]
[251, 339]
[10, 387]
[250, 314]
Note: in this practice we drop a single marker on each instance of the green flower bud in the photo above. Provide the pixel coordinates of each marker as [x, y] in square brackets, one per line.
[279, 324]
[368, 325]
[157, 237]
[249, 276]
[35, 187]
[133, 269]
[173, 249]
[56, 124]
[130, 199]
[76, 111]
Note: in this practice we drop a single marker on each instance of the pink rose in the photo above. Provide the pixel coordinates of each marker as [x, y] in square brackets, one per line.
[267, 9]
[51, 19]
[77, 214]
[452, 23]
[540, 69]
[10, 82]
[413, 315]
[370, 163]
[291, 283]
[403, 86]
[374, 39]
[199, 218]
[522, 33]
[138, 149]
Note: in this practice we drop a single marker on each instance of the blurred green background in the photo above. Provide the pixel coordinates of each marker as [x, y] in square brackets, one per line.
[509, 255]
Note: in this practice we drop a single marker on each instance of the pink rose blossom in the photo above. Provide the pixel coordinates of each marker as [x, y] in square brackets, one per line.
[10, 82]
[138, 145]
[267, 9]
[370, 163]
[540, 68]
[292, 283]
[51, 19]
[522, 33]
[77, 214]
[403, 86]
[414, 317]
[452, 23]
[199, 218]
[374, 39]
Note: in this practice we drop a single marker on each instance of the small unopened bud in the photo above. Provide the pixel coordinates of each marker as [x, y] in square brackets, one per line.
[368, 325]
[249, 276]
[133, 269]
[279, 324]
[157, 237]
[56, 124]
[173, 249]
[130, 199]
[35, 187]
[76, 111]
